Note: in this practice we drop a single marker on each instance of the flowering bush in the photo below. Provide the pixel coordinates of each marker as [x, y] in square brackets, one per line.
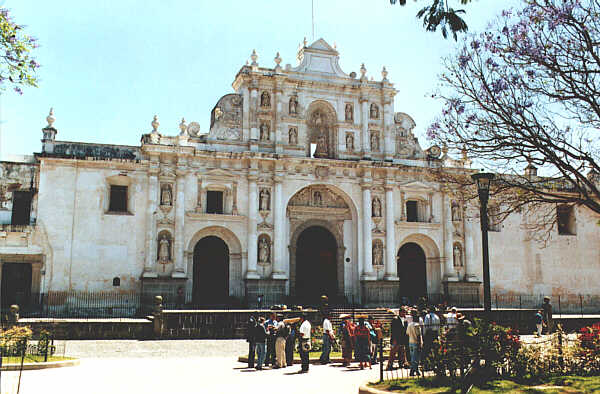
[588, 353]
[13, 341]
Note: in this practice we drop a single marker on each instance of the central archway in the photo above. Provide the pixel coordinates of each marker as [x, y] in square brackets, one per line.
[211, 272]
[316, 265]
[412, 270]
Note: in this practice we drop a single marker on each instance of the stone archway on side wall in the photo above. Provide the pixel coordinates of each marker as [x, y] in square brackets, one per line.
[432, 258]
[236, 283]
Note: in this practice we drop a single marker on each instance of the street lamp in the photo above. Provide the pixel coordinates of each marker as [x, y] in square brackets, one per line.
[484, 179]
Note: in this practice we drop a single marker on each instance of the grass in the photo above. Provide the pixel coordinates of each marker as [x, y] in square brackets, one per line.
[562, 384]
[32, 359]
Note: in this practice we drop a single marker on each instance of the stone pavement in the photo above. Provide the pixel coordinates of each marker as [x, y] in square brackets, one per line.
[186, 366]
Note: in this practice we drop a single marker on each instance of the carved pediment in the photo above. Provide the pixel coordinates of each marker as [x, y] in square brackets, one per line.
[317, 197]
[416, 185]
[218, 173]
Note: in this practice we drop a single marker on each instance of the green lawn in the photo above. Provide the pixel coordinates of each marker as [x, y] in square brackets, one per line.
[563, 384]
[32, 359]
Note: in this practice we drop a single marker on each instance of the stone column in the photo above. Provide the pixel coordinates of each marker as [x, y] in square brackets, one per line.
[151, 207]
[367, 234]
[366, 140]
[253, 116]
[448, 226]
[179, 271]
[402, 207]
[430, 207]
[199, 196]
[471, 265]
[391, 269]
[278, 231]
[388, 139]
[252, 234]
[245, 112]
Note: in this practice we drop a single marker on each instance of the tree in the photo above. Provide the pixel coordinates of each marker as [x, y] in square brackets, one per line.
[440, 14]
[526, 94]
[17, 66]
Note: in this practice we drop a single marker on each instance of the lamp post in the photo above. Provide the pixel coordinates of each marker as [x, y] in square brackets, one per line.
[483, 180]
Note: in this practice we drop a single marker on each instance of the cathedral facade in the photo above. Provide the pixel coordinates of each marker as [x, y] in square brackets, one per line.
[307, 183]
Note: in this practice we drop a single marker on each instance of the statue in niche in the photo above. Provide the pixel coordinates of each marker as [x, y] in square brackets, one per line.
[166, 197]
[456, 217]
[349, 112]
[377, 254]
[374, 142]
[293, 107]
[293, 139]
[374, 111]
[265, 99]
[376, 207]
[164, 250]
[321, 149]
[317, 199]
[264, 131]
[350, 142]
[264, 251]
[457, 256]
[264, 200]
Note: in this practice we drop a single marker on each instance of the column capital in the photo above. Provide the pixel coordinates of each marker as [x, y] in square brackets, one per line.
[366, 186]
[389, 187]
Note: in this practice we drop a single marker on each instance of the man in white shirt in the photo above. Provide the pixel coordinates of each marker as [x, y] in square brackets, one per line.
[415, 343]
[328, 339]
[304, 348]
[451, 320]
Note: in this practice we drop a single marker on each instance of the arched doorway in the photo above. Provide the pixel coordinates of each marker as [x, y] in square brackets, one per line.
[211, 272]
[316, 265]
[412, 271]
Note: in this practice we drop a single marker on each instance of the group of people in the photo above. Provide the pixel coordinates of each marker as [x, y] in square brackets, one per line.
[360, 338]
[272, 341]
[414, 331]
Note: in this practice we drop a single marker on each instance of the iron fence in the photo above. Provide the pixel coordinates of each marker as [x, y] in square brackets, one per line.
[80, 304]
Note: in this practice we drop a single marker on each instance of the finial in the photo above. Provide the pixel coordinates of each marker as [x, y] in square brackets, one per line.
[277, 59]
[384, 73]
[254, 57]
[363, 70]
[50, 118]
[183, 127]
[305, 43]
[335, 45]
[155, 124]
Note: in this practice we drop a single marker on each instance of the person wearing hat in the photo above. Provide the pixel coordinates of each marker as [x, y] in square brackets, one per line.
[304, 348]
[347, 330]
[281, 333]
[547, 308]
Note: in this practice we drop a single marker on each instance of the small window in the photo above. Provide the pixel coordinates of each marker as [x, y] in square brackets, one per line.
[116, 281]
[412, 211]
[118, 199]
[565, 218]
[21, 209]
[214, 202]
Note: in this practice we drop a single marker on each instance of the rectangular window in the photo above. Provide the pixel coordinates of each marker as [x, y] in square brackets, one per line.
[214, 202]
[565, 218]
[21, 208]
[118, 199]
[412, 211]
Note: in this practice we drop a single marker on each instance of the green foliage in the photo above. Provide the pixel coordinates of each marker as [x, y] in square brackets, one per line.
[439, 14]
[17, 66]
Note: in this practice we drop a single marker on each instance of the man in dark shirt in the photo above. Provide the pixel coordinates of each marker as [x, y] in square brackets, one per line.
[250, 334]
[398, 339]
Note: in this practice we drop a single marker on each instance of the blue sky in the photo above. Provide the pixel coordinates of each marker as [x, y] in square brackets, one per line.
[109, 66]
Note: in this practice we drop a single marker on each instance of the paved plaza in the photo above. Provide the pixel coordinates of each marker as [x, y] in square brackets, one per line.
[184, 366]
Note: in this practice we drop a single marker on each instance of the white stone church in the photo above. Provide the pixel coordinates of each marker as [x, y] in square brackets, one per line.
[307, 183]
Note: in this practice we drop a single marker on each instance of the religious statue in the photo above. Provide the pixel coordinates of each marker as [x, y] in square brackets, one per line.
[374, 111]
[264, 200]
[321, 149]
[264, 131]
[455, 213]
[263, 250]
[350, 142]
[164, 250]
[165, 196]
[317, 199]
[293, 140]
[376, 208]
[374, 142]
[293, 105]
[378, 254]
[457, 254]
[349, 112]
[265, 99]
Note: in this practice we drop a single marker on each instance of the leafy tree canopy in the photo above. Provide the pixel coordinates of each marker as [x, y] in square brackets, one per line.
[17, 66]
[440, 14]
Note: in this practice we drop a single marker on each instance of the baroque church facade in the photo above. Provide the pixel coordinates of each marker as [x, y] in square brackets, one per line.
[307, 183]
